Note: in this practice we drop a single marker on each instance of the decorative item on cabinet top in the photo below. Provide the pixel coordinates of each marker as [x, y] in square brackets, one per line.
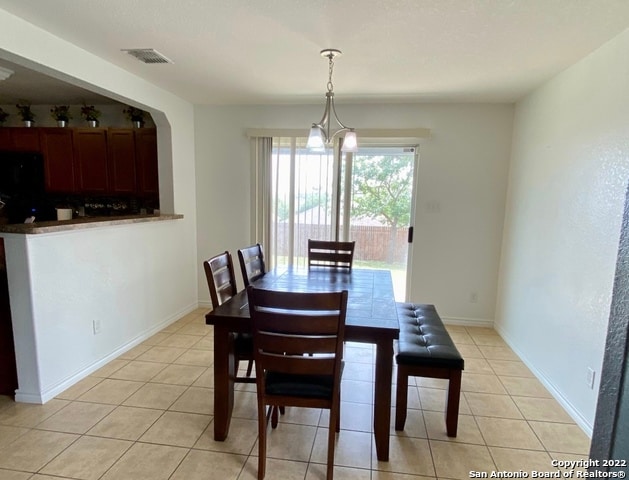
[90, 114]
[136, 116]
[25, 112]
[3, 116]
[61, 113]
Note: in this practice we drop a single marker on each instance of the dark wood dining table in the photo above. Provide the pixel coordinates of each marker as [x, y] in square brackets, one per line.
[371, 318]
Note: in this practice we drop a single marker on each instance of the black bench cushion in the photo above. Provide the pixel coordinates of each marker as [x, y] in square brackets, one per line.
[424, 340]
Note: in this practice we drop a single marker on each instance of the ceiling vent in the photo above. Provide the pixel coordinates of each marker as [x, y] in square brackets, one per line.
[147, 55]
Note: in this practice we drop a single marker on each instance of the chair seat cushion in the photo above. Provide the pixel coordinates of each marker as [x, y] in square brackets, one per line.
[309, 386]
[424, 340]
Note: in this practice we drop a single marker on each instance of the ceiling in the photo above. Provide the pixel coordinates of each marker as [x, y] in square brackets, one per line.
[267, 51]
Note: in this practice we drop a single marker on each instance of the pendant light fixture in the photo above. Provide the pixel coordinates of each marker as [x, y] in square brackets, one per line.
[321, 135]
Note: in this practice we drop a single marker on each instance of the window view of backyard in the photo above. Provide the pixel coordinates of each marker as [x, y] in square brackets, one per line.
[311, 196]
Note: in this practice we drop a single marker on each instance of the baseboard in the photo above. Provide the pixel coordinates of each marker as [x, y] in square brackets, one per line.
[468, 322]
[56, 389]
[563, 401]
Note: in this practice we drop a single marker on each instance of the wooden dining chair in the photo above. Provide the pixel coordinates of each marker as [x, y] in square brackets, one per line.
[251, 261]
[323, 253]
[221, 281]
[286, 327]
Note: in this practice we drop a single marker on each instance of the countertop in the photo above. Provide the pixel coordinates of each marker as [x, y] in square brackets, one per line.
[82, 223]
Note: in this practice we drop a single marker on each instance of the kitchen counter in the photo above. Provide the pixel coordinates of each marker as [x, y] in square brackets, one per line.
[82, 223]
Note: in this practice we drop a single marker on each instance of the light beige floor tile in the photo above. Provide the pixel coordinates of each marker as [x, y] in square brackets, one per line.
[469, 351]
[498, 353]
[135, 352]
[79, 388]
[378, 475]
[245, 405]
[155, 395]
[542, 409]
[456, 460]
[481, 331]
[195, 400]
[504, 432]
[472, 382]
[126, 423]
[178, 340]
[514, 460]
[109, 368]
[9, 434]
[145, 461]
[362, 372]
[5, 402]
[562, 438]
[438, 383]
[28, 414]
[301, 416]
[358, 354]
[13, 475]
[177, 429]
[111, 391]
[477, 365]
[156, 339]
[406, 455]
[490, 405]
[205, 343]
[525, 387]
[206, 380]
[202, 358]
[357, 392]
[199, 329]
[354, 416]
[179, 374]
[200, 465]
[77, 417]
[467, 430]
[275, 469]
[510, 368]
[412, 397]
[161, 354]
[488, 340]
[317, 471]
[241, 439]
[291, 442]
[87, 458]
[352, 449]
[460, 337]
[413, 427]
[139, 371]
[435, 400]
[34, 449]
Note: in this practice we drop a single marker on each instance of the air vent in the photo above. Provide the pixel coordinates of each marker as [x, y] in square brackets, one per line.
[147, 55]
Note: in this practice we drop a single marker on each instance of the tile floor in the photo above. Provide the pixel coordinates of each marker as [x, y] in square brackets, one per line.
[148, 415]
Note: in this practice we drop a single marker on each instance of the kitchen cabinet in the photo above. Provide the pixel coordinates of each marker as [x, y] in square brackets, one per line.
[146, 161]
[90, 156]
[122, 163]
[20, 139]
[58, 152]
[5, 139]
[8, 369]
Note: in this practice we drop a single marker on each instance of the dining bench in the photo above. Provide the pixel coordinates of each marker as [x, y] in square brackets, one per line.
[425, 349]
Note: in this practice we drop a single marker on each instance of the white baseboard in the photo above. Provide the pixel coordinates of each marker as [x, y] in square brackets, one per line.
[563, 401]
[468, 322]
[50, 393]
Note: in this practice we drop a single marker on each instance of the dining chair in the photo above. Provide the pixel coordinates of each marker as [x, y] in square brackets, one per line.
[221, 281]
[286, 327]
[323, 253]
[251, 261]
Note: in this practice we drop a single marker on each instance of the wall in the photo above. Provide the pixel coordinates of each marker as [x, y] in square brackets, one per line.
[136, 278]
[463, 168]
[569, 171]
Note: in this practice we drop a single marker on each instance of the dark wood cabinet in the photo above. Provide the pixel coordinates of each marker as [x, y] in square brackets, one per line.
[5, 139]
[58, 152]
[146, 160]
[90, 155]
[20, 139]
[122, 163]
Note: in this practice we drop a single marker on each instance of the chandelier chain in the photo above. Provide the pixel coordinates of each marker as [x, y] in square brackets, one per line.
[331, 69]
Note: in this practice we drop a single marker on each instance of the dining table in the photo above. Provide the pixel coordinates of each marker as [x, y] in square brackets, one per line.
[371, 318]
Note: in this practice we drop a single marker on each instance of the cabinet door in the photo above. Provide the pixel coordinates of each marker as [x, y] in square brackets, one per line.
[90, 153]
[5, 139]
[146, 158]
[57, 149]
[25, 139]
[121, 153]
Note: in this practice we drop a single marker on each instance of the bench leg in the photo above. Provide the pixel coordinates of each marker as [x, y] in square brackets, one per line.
[452, 406]
[401, 398]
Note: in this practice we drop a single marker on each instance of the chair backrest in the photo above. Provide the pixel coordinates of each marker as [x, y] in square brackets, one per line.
[297, 333]
[322, 253]
[251, 261]
[221, 281]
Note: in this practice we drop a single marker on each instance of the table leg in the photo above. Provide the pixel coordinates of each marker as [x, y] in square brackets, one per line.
[224, 374]
[382, 398]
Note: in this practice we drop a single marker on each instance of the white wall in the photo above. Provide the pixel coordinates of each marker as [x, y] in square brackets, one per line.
[570, 166]
[136, 277]
[463, 167]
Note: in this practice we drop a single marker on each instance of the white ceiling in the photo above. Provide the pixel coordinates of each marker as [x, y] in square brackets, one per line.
[267, 51]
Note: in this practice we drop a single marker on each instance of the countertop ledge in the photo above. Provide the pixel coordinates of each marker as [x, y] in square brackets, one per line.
[82, 223]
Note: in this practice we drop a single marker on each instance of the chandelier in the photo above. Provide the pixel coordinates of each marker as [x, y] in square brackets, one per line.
[321, 135]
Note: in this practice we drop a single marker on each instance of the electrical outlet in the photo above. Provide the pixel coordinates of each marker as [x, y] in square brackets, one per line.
[473, 297]
[96, 326]
[590, 378]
